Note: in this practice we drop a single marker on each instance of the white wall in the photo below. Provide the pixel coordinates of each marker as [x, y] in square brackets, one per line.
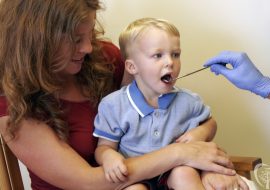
[207, 27]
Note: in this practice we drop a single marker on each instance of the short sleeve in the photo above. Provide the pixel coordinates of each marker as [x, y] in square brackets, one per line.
[199, 111]
[106, 123]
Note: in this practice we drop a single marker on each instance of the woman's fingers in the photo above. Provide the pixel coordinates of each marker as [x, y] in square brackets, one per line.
[221, 169]
[224, 160]
[209, 157]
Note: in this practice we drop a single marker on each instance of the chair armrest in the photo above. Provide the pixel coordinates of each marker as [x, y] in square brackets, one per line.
[10, 176]
[244, 165]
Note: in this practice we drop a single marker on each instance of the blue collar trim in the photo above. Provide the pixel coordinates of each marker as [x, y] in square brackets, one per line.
[137, 100]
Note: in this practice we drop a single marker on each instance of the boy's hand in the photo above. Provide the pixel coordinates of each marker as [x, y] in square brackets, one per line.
[115, 169]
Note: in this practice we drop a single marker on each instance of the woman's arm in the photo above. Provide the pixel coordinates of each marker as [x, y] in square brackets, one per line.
[208, 129]
[204, 132]
[53, 160]
[37, 146]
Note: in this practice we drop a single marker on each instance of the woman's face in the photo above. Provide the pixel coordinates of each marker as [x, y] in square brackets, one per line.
[71, 61]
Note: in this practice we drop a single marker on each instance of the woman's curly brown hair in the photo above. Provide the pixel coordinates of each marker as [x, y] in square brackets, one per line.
[30, 35]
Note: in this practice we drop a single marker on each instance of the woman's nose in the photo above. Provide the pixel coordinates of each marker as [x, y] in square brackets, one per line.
[86, 47]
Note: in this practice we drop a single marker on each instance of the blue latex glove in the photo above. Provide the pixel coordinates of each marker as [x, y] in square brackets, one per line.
[243, 73]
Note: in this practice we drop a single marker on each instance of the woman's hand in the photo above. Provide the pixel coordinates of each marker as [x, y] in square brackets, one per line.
[191, 135]
[215, 181]
[205, 156]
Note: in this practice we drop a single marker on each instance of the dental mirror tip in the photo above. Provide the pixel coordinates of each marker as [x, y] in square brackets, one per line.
[168, 78]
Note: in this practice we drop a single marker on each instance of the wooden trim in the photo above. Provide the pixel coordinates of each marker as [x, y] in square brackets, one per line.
[10, 170]
[244, 165]
[4, 177]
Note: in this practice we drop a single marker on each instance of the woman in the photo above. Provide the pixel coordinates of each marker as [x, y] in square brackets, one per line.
[53, 71]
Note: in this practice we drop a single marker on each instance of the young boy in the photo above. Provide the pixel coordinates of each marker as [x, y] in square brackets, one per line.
[150, 113]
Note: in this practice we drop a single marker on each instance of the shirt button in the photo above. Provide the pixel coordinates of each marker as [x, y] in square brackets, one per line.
[156, 114]
[156, 133]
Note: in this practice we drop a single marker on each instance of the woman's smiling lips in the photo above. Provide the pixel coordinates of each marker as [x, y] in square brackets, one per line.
[78, 61]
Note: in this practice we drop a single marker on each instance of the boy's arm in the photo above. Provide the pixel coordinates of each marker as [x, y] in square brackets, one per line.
[204, 132]
[112, 161]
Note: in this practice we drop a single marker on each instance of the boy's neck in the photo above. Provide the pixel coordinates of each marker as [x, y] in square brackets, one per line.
[152, 101]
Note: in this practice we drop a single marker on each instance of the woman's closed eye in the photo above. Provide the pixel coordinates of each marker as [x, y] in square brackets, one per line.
[81, 38]
[78, 40]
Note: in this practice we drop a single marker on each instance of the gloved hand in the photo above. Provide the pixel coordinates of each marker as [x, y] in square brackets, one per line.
[243, 73]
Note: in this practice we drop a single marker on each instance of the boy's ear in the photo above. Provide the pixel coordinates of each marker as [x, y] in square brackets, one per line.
[130, 67]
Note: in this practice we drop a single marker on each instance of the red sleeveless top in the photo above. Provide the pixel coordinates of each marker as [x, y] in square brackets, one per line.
[80, 117]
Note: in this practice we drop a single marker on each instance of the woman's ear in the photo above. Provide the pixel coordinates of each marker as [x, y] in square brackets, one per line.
[130, 66]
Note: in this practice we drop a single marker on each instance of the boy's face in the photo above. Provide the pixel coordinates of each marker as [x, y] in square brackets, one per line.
[155, 54]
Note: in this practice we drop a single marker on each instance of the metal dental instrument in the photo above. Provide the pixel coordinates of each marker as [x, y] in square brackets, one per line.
[189, 73]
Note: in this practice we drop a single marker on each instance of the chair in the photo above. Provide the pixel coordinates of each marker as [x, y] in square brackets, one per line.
[10, 175]
[244, 165]
[11, 179]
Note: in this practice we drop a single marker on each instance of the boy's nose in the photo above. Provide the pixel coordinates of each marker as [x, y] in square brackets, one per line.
[169, 61]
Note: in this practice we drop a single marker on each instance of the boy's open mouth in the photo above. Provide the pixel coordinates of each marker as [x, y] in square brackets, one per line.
[167, 78]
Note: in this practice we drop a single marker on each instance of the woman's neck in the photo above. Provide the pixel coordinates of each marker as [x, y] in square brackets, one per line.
[72, 91]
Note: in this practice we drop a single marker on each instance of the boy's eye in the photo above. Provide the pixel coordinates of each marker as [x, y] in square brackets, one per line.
[158, 55]
[176, 55]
